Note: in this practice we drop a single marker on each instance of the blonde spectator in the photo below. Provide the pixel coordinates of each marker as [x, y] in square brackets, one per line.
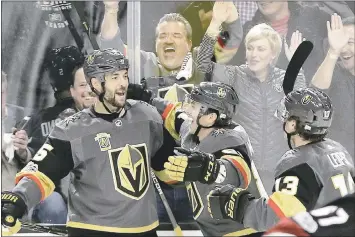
[259, 85]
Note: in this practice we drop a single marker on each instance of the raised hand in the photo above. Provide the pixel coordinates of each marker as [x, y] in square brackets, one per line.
[232, 12]
[220, 12]
[111, 4]
[296, 40]
[336, 34]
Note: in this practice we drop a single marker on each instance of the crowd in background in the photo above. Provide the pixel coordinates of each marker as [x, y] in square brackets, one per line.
[248, 47]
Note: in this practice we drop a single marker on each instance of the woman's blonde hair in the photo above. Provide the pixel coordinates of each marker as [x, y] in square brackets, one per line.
[261, 31]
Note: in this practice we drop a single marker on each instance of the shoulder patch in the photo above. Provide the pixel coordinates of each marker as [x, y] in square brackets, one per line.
[71, 119]
[289, 153]
[218, 132]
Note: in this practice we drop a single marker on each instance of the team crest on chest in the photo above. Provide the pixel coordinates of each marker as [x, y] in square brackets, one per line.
[104, 141]
[130, 168]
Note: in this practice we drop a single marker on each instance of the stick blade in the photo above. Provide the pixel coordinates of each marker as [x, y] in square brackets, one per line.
[295, 65]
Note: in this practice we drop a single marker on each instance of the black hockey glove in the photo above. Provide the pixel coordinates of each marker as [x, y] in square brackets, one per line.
[139, 92]
[192, 166]
[228, 202]
[13, 207]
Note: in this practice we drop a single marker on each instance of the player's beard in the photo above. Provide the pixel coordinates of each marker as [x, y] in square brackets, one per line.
[112, 100]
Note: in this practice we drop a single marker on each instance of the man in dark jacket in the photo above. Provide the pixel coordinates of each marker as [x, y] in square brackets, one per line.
[286, 18]
[62, 63]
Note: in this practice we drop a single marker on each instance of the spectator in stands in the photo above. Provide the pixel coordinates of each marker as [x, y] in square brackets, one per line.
[337, 77]
[342, 8]
[10, 164]
[258, 84]
[287, 17]
[64, 66]
[173, 45]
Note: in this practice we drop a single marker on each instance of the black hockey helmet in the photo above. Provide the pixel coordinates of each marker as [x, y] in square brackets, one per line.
[60, 63]
[217, 96]
[104, 61]
[312, 109]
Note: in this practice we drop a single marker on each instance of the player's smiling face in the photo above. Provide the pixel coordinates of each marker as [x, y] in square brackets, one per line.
[116, 85]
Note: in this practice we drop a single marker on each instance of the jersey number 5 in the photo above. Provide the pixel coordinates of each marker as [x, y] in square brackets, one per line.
[339, 182]
[42, 152]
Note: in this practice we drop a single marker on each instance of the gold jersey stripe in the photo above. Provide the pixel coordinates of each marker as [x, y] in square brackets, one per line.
[137, 229]
[285, 205]
[241, 166]
[45, 184]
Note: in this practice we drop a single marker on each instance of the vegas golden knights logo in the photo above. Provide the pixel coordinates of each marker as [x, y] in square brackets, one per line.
[104, 141]
[195, 199]
[90, 59]
[221, 92]
[129, 167]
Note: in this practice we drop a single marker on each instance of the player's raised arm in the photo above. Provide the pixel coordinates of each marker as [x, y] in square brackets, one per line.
[295, 190]
[35, 182]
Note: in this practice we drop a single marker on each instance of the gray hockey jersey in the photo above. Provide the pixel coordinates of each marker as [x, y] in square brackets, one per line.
[232, 147]
[307, 177]
[109, 157]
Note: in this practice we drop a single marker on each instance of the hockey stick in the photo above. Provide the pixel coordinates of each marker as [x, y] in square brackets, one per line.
[85, 24]
[176, 227]
[259, 183]
[78, 40]
[295, 65]
[8, 231]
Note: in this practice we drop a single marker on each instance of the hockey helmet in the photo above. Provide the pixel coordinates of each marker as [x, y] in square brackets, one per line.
[104, 61]
[217, 96]
[311, 107]
[60, 63]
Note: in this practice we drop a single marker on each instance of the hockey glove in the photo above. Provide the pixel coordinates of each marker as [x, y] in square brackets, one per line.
[13, 207]
[228, 202]
[192, 166]
[139, 92]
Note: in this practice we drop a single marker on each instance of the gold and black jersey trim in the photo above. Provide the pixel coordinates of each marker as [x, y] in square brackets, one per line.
[131, 230]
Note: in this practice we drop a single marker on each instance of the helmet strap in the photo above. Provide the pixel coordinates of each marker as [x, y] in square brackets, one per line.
[199, 126]
[289, 135]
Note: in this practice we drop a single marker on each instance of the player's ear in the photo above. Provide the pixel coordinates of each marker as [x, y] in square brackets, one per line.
[96, 84]
[212, 118]
[290, 126]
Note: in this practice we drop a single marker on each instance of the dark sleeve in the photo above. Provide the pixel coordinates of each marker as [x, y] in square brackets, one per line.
[308, 188]
[295, 190]
[52, 162]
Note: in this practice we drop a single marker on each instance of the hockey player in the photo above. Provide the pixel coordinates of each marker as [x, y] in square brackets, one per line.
[335, 219]
[316, 171]
[108, 149]
[214, 150]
